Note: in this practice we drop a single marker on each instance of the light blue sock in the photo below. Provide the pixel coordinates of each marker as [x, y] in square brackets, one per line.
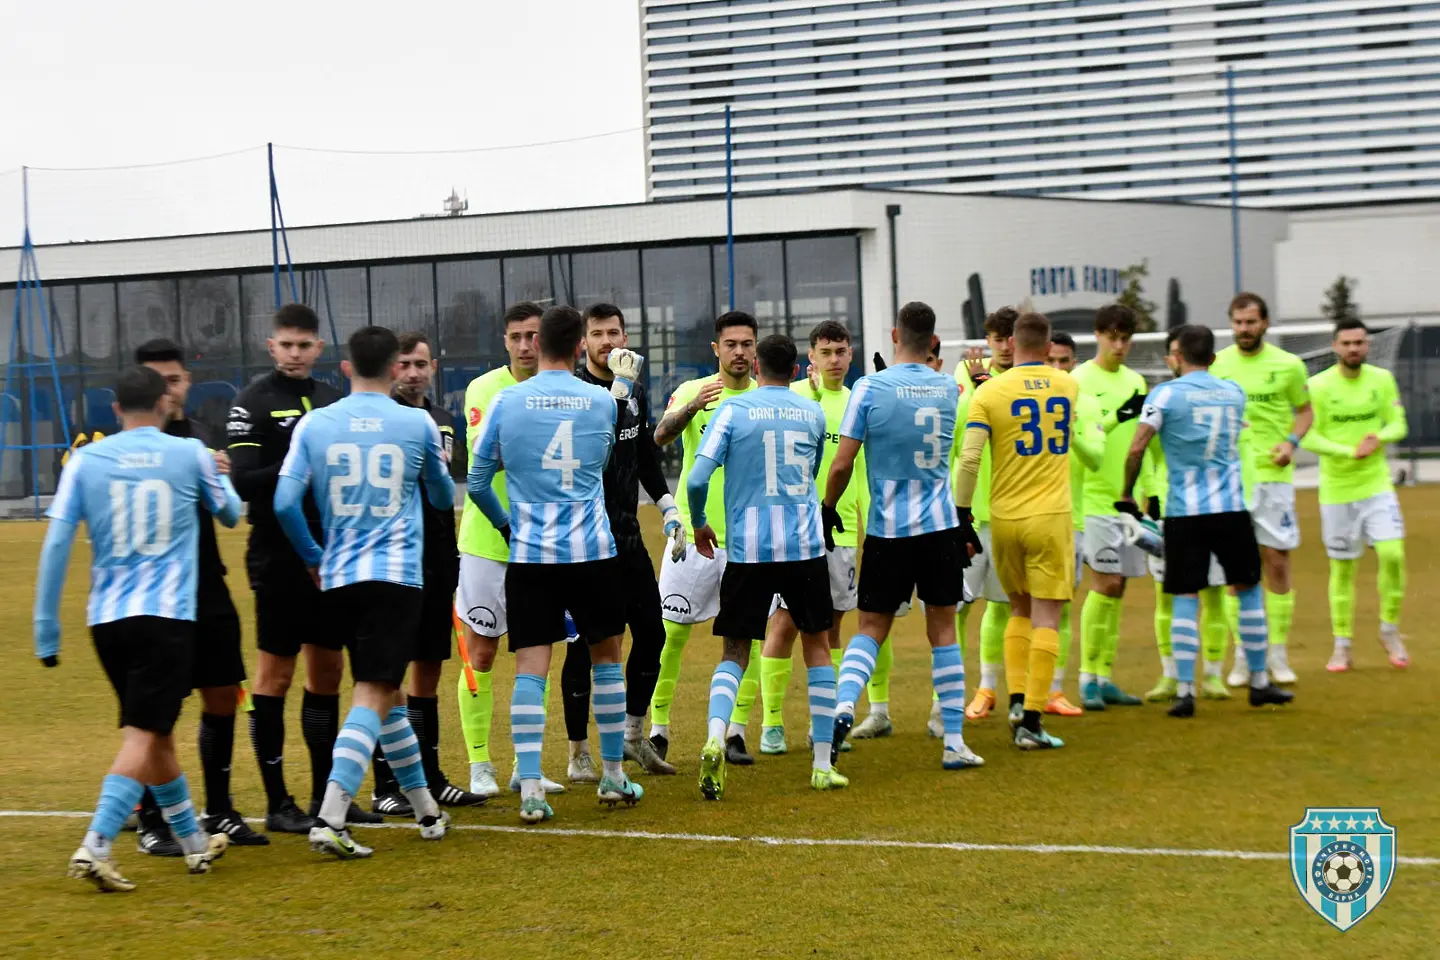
[724, 688]
[118, 796]
[402, 749]
[608, 697]
[353, 748]
[822, 703]
[527, 723]
[173, 799]
[855, 670]
[1185, 636]
[1254, 634]
[947, 673]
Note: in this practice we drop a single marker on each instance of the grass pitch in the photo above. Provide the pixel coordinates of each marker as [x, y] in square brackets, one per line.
[700, 883]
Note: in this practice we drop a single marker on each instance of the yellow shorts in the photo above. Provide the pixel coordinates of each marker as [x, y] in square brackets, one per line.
[1035, 556]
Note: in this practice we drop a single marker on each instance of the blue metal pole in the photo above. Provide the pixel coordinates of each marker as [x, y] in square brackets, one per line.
[274, 235]
[1234, 175]
[285, 239]
[729, 207]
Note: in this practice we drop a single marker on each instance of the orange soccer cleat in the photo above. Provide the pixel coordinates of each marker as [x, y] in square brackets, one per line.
[981, 706]
[1061, 707]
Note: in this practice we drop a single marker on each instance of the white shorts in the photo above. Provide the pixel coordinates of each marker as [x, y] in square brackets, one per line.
[1348, 528]
[1106, 550]
[844, 596]
[980, 577]
[1272, 510]
[690, 589]
[480, 596]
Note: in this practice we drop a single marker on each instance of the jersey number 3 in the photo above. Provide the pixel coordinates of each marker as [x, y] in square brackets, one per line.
[1033, 439]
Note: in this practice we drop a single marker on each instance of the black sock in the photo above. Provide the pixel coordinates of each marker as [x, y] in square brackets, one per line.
[575, 690]
[267, 734]
[1031, 721]
[217, 747]
[320, 723]
[385, 781]
[424, 713]
[1017, 698]
[151, 819]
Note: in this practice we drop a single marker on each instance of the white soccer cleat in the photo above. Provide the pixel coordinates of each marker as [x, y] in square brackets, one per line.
[582, 769]
[482, 780]
[434, 828]
[546, 784]
[1394, 646]
[1239, 673]
[961, 758]
[1339, 661]
[100, 871]
[215, 848]
[935, 726]
[326, 839]
[1278, 660]
[874, 726]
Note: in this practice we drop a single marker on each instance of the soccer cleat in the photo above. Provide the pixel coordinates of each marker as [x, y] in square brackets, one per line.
[772, 741]
[354, 815]
[1027, 739]
[326, 839]
[1239, 671]
[234, 826]
[981, 704]
[482, 780]
[961, 758]
[1213, 688]
[1059, 706]
[1269, 694]
[661, 743]
[1163, 691]
[1016, 715]
[392, 805]
[448, 795]
[1115, 697]
[582, 769]
[215, 846]
[612, 791]
[546, 784]
[1394, 648]
[935, 724]
[843, 723]
[100, 871]
[830, 779]
[1339, 661]
[289, 819]
[643, 752]
[434, 827]
[158, 843]
[1090, 696]
[712, 769]
[1183, 707]
[873, 727]
[1277, 659]
[535, 810]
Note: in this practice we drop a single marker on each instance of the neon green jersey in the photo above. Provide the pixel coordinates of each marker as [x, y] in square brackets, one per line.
[1346, 412]
[690, 439]
[856, 501]
[478, 537]
[980, 504]
[1275, 386]
[1104, 486]
[1087, 442]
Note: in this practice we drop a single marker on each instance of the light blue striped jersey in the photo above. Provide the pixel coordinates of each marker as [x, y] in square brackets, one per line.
[555, 432]
[1198, 419]
[363, 457]
[771, 442]
[905, 416]
[137, 492]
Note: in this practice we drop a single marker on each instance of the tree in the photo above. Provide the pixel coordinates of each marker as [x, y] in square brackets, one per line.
[1339, 301]
[1133, 296]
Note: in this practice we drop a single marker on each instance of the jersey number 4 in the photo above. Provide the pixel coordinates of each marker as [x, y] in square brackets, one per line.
[359, 469]
[560, 454]
[1034, 439]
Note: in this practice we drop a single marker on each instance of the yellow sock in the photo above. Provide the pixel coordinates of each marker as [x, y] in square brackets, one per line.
[1044, 648]
[1017, 654]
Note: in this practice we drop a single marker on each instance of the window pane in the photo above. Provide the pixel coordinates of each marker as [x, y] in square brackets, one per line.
[679, 317]
[527, 278]
[611, 276]
[210, 318]
[97, 325]
[470, 308]
[257, 300]
[403, 297]
[825, 285]
[60, 307]
[341, 299]
[759, 283]
[147, 311]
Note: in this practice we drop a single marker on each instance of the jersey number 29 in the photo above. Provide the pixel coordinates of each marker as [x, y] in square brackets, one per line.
[359, 469]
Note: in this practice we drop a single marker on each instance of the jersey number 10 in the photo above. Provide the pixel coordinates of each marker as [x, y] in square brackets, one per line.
[130, 513]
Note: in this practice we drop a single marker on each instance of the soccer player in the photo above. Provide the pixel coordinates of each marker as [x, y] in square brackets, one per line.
[1357, 413]
[480, 598]
[137, 493]
[1198, 419]
[830, 356]
[289, 617]
[690, 586]
[362, 458]
[1277, 407]
[415, 372]
[634, 462]
[555, 433]
[914, 539]
[1120, 391]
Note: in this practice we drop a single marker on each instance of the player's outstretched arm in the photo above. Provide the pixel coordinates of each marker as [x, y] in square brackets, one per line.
[647, 456]
[697, 488]
[1088, 442]
[1396, 424]
[253, 480]
[54, 560]
[217, 493]
[290, 512]
[1135, 458]
[1317, 442]
[480, 487]
[668, 430]
[967, 473]
[841, 470]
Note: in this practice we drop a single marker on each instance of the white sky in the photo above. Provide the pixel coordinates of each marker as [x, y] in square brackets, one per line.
[95, 84]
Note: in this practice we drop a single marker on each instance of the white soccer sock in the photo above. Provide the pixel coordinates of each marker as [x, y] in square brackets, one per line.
[1260, 679]
[845, 706]
[531, 789]
[1342, 643]
[1184, 689]
[1213, 668]
[195, 842]
[99, 846]
[1058, 681]
[954, 741]
[613, 769]
[717, 729]
[578, 747]
[822, 756]
[989, 675]
[879, 709]
[735, 730]
[633, 727]
[1167, 666]
[1086, 678]
[659, 730]
[422, 802]
[335, 805]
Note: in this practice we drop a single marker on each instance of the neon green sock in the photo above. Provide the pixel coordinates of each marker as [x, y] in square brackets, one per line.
[475, 712]
[836, 655]
[1279, 612]
[1065, 638]
[1342, 597]
[1231, 608]
[879, 687]
[676, 636]
[749, 687]
[774, 679]
[1112, 637]
[1214, 634]
[1164, 620]
[992, 634]
[1391, 580]
[962, 621]
[1099, 624]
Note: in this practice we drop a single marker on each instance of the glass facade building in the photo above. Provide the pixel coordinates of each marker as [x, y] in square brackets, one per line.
[1335, 102]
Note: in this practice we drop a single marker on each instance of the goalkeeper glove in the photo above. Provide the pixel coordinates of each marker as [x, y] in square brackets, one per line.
[831, 521]
[1152, 509]
[625, 364]
[674, 529]
[968, 536]
[1131, 408]
[879, 362]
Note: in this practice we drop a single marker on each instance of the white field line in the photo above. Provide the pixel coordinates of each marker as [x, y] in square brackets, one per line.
[953, 847]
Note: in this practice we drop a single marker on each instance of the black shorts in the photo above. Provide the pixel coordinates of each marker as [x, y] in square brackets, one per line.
[377, 622]
[290, 615]
[747, 591]
[930, 564]
[148, 662]
[1189, 542]
[538, 594]
[639, 592]
[433, 638]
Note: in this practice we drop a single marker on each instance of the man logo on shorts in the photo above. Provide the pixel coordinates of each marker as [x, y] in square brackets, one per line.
[676, 604]
[482, 617]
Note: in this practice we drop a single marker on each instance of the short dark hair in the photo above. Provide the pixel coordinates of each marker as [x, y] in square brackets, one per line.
[832, 330]
[372, 349]
[1116, 318]
[1197, 344]
[916, 323]
[159, 350]
[735, 318]
[1242, 300]
[1031, 331]
[561, 330]
[603, 311]
[522, 310]
[1349, 323]
[1002, 322]
[776, 355]
[139, 389]
[296, 316]
[1062, 339]
[411, 339]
